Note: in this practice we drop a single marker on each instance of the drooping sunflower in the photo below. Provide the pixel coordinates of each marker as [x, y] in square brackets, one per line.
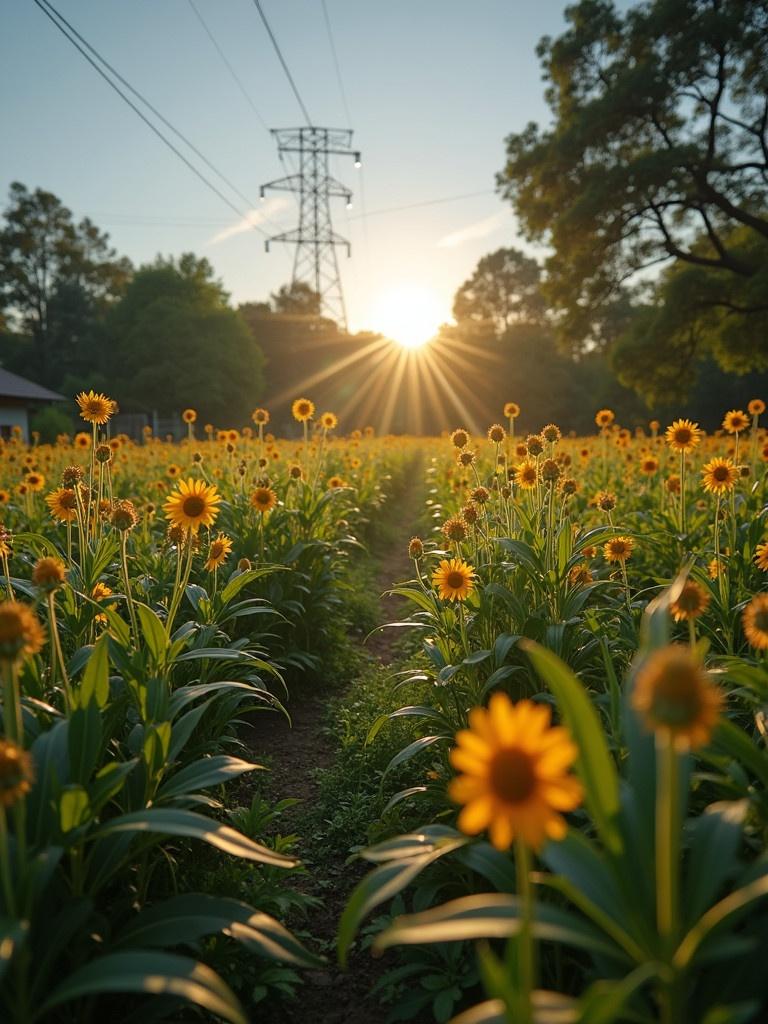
[735, 421]
[674, 695]
[303, 409]
[218, 552]
[618, 549]
[20, 630]
[761, 556]
[454, 579]
[16, 772]
[95, 407]
[63, 504]
[263, 499]
[683, 436]
[719, 476]
[754, 619]
[692, 601]
[49, 573]
[193, 504]
[515, 780]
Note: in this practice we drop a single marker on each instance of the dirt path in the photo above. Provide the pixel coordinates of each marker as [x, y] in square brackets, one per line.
[296, 752]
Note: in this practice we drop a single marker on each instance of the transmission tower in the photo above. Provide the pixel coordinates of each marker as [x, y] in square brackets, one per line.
[315, 260]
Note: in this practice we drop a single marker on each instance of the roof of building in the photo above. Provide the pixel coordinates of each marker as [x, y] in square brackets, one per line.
[13, 386]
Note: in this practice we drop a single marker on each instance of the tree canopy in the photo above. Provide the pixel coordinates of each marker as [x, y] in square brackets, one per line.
[57, 278]
[657, 154]
[505, 288]
[175, 342]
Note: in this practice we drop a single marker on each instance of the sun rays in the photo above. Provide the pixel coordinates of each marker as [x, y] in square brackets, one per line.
[398, 388]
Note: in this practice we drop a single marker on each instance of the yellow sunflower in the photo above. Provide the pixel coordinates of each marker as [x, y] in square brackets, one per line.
[692, 601]
[761, 556]
[303, 409]
[218, 552]
[683, 436]
[189, 415]
[454, 579]
[95, 407]
[329, 421]
[755, 622]
[63, 504]
[35, 481]
[618, 549]
[260, 417]
[719, 476]
[460, 438]
[735, 421]
[335, 482]
[674, 695]
[193, 504]
[515, 780]
[604, 418]
[756, 407]
[511, 410]
[526, 474]
[263, 499]
[82, 440]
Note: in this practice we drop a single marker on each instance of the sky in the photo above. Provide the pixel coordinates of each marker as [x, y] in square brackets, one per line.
[432, 88]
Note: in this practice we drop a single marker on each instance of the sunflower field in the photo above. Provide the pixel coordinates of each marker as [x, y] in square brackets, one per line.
[543, 797]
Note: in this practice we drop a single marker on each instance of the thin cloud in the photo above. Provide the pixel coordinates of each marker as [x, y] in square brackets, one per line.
[480, 229]
[251, 220]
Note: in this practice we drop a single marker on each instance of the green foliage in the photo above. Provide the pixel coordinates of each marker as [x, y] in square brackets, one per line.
[656, 153]
[175, 342]
[49, 423]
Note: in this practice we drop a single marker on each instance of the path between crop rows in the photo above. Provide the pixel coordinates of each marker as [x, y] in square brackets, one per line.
[296, 752]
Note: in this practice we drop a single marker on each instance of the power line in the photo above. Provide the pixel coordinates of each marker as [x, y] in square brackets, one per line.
[60, 21]
[336, 64]
[286, 69]
[233, 73]
[424, 202]
[206, 221]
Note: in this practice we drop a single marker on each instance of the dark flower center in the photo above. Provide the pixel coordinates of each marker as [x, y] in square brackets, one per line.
[512, 776]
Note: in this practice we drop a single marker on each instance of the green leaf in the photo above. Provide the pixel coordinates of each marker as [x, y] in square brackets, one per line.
[176, 822]
[152, 973]
[84, 742]
[185, 919]
[732, 740]
[492, 916]
[208, 771]
[74, 808]
[382, 884]
[604, 1001]
[595, 764]
[236, 584]
[713, 855]
[95, 681]
[411, 751]
[153, 632]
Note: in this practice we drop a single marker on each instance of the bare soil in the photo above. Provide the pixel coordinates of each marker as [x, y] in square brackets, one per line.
[296, 751]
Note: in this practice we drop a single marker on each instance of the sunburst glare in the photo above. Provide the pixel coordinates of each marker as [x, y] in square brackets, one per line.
[408, 314]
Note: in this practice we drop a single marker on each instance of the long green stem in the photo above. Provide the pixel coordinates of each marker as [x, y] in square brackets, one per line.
[526, 957]
[12, 718]
[59, 655]
[127, 582]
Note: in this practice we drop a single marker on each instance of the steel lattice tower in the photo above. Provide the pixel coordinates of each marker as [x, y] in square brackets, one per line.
[315, 260]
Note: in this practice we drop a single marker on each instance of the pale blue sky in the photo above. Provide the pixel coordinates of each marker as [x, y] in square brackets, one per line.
[433, 87]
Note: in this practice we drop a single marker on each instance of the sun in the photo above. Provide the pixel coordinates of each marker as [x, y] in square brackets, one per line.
[408, 314]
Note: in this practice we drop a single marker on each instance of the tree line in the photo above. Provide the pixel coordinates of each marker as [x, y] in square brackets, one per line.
[649, 190]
